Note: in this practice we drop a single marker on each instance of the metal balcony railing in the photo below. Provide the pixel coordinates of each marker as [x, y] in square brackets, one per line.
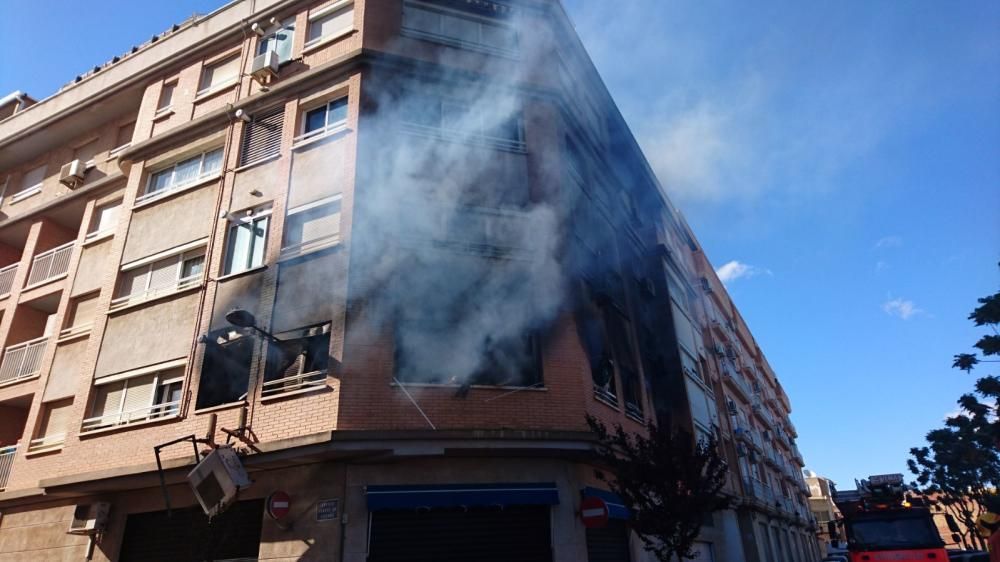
[6, 461]
[50, 264]
[46, 443]
[156, 411]
[23, 360]
[304, 381]
[7, 279]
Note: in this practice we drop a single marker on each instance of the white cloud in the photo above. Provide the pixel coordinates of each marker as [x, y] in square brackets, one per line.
[902, 308]
[888, 242]
[881, 265]
[735, 269]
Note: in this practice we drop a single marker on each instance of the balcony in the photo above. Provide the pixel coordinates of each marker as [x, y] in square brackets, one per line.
[293, 384]
[147, 413]
[736, 380]
[7, 279]
[6, 461]
[22, 361]
[50, 265]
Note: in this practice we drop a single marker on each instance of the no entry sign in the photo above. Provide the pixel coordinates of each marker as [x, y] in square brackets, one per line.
[278, 504]
[594, 512]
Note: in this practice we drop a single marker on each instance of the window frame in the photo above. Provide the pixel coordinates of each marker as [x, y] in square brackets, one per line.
[303, 380]
[480, 135]
[309, 246]
[153, 413]
[452, 41]
[254, 216]
[171, 87]
[180, 281]
[328, 128]
[33, 189]
[288, 25]
[332, 10]
[214, 65]
[172, 187]
[93, 232]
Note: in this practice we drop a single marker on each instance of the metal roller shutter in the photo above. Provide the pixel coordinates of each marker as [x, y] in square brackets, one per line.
[262, 137]
[188, 535]
[608, 544]
[514, 533]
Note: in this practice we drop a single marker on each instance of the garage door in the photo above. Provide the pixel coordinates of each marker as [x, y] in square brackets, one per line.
[188, 535]
[481, 534]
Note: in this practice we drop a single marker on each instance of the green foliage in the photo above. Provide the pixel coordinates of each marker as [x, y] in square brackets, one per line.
[961, 462]
[670, 483]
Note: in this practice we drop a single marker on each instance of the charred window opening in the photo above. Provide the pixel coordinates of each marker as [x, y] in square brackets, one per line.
[621, 342]
[590, 329]
[300, 360]
[513, 361]
[225, 371]
[607, 339]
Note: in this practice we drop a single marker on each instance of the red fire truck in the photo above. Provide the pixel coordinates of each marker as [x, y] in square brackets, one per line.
[883, 522]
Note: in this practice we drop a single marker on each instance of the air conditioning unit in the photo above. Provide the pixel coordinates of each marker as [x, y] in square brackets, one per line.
[731, 353]
[89, 518]
[217, 479]
[706, 284]
[264, 66]
[72, 173]
[720, 349]
[731, 406]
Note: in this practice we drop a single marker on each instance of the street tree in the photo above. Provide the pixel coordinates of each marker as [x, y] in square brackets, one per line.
[670, 483]
[960, 465]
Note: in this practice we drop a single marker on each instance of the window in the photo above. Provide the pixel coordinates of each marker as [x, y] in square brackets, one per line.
[325, 118]
[219, 75]
[262, 136]
[31, 183]
[246, 241]
[124, 137]
[183, 173]
[166, 100]
[104, 220]
[143, 397]
[312, 226]
[52, 429]
[86, 152]
[81, 317]
[513, 361]
[160, 277]
[330, 21]
[457, 28]
[279, 41]
[459, 120]
[622, 344]
[299, 361]
[225, 370]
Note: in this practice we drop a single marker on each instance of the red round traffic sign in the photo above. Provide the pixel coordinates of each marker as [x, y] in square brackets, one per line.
[278, 504]
[594, 512]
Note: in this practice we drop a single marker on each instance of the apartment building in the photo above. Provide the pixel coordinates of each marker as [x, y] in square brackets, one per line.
[394, 251]
[823, 509]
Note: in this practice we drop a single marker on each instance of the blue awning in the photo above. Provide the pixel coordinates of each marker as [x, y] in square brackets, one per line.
[616, 505]
[454, 495]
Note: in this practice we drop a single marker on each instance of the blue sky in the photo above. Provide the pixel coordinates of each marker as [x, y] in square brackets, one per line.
[842, 158]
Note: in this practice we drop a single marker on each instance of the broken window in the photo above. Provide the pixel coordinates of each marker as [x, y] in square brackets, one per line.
[621, 341]
[300, 360]
[513, 361]
[225, 370]
[594, 339]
